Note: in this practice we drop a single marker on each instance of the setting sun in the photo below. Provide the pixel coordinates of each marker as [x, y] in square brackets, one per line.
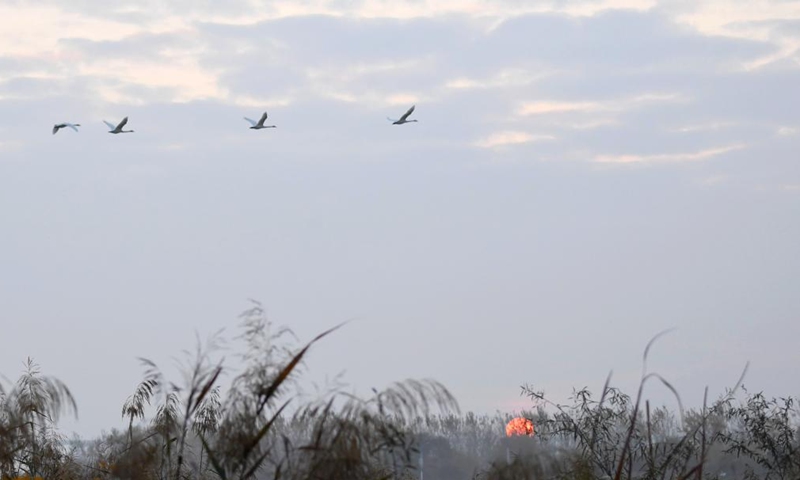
[519, 426]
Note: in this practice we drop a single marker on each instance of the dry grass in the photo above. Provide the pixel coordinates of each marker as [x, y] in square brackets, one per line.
[256, 426]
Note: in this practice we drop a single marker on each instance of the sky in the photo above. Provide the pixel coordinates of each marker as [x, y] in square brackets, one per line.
[583, 175]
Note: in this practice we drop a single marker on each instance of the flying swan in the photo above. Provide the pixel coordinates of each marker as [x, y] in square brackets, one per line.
[260, 123]
[118, 128]
[404, 118]
[59, 126]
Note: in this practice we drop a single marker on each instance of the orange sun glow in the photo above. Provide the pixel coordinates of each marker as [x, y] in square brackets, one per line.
[519, 426]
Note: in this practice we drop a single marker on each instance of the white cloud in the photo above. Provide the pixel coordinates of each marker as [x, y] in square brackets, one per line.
[749, 20]
[370, 97]
[502, 139]
[547, 107]
[260, 102]
[704, 127]
[432, 8]
[184, 75]
[345, 82]
[786, 131]
[668, 157]
[738, 18]
[588, 124]
[714, 180]
[512, 77]
[36, 30]
[9, 145]
[788, 48]
[400, 99]
[354, 71]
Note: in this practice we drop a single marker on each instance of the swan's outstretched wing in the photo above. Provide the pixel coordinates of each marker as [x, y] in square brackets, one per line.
[262, 119]
[110, 125]
[405, 115]
[252, 122]
[73, 126]
[124, 121]
[391, 119]
[55, 129]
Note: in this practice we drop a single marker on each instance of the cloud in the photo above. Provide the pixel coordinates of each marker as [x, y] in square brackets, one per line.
[29, 31]
[547, 107]
[502, 139]
[786, 131]
[368, 97]
[187, 80]
[244, 13]
[605, 39]
[588, 124]
[760, 20]
[261, 102]
[201, 52]
[738, 18]
[358, 70]
[714, 180]
[514, 77]
[576, 70]
[11, 145]
[668, 157]
[704, 127]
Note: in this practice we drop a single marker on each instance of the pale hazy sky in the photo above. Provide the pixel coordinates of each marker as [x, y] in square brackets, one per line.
[583, 175]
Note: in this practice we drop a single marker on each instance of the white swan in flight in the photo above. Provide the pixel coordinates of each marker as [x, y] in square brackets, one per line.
[404, 118]
[59, 126]
[118, 128]
[260, 123]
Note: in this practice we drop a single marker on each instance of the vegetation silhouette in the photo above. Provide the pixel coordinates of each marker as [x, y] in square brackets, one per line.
[258, 426]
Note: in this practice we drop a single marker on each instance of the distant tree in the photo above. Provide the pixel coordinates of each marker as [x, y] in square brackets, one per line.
[765, 431]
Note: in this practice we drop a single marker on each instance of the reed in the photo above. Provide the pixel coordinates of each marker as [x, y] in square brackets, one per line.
[219, 422]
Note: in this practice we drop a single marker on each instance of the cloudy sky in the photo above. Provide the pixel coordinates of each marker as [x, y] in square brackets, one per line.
[583, 175]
